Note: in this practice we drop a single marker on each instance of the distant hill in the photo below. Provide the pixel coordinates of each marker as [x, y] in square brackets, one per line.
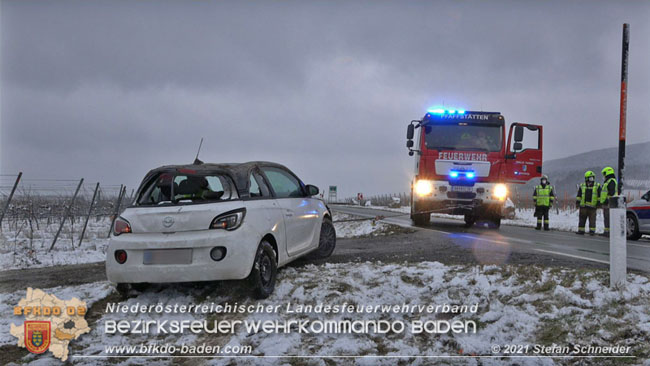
[567, 172]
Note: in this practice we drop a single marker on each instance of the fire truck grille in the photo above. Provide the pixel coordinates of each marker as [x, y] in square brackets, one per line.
[461, 195]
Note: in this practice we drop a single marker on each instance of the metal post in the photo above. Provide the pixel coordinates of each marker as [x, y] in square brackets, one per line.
[117, 208]
[90, 210]
[617, 219]
[11, 195]
[623, 114]
[67, 213]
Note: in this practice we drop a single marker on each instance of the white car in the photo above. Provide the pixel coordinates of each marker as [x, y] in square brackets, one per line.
[206, 222]
[638, 217]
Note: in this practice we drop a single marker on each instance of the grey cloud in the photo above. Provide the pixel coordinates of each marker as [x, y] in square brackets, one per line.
[107, 90]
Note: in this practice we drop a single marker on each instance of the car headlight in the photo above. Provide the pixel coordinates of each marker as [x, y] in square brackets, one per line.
[500, 191]
[230, 220]
[423, 187]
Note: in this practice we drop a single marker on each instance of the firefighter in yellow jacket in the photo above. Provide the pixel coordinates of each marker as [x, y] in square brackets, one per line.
[588, 200]
[610, 189]
[544, 197]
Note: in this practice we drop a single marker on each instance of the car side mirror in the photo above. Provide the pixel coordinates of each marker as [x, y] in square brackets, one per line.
[410, 131]
[312, 190]
[519, 134]
[517, 146]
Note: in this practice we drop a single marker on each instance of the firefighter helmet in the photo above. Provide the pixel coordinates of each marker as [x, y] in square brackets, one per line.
[607, 171]
[589, 174]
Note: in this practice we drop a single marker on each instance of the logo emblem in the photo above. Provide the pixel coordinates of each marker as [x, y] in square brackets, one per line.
[524, 168]
[168, 221]
[37, 336]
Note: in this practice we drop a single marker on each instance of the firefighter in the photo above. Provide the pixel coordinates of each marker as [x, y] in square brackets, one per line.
[544, 197]
[610, 189]
[588, 199]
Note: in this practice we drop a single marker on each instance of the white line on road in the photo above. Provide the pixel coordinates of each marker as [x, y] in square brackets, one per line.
[572, 255]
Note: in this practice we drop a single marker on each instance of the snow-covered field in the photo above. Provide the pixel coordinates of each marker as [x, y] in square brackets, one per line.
[22, 248]
[516, 305]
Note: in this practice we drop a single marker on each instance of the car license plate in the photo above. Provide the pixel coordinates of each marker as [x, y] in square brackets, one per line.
[167, 256]
[461, 189]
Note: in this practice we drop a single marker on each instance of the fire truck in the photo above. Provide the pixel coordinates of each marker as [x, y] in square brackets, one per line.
[464, 163]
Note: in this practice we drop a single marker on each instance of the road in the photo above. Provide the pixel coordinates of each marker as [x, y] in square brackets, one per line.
[515, 239]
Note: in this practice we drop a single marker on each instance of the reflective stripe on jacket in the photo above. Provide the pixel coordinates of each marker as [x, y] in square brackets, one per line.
[588, 196]
[544, 195]
[610, 188]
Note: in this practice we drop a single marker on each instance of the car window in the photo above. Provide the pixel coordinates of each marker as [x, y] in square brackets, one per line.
[646, 196]
[187, 188]
[283, 183]
[257, 186]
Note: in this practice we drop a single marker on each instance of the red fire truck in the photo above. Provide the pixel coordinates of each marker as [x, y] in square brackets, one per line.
[464, 163]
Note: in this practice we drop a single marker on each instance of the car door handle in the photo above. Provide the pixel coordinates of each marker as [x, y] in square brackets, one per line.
[288, 213]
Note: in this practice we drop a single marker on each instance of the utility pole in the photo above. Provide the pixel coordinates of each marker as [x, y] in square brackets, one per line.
[618, 222]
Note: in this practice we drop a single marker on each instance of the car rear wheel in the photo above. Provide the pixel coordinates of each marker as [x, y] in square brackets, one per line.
[327, 240]
[633, 232]
[264, 272]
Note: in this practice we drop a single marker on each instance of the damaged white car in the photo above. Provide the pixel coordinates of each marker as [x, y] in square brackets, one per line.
[206, 222]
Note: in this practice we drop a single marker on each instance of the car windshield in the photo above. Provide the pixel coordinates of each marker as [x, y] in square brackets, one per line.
[186, 188]
[463, 136]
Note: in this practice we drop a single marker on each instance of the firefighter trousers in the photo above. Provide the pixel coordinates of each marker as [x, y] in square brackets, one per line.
[541, 212]
[587, 213]
[606, 219]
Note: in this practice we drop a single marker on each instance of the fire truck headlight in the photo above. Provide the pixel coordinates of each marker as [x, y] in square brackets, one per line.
[500, 191]
[423, 187]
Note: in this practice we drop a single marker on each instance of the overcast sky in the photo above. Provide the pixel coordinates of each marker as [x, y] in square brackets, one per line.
[108, 90]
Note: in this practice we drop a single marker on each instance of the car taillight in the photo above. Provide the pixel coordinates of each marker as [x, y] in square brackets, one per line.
[121, 226]
[230, 220]
[120, 256]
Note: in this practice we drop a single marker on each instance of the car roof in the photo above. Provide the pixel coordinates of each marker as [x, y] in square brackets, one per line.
[239, 172]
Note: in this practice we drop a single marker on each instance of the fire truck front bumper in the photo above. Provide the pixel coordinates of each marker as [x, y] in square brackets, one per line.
[483, 199]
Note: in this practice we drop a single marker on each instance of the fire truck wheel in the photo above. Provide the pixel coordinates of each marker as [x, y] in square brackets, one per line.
[469, 220]
[421, 219]
[496, 221]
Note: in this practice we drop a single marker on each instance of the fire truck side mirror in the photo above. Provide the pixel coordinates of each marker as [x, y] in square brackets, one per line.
[410, 131]
[517, 146]
[519, 134]
[409, 143]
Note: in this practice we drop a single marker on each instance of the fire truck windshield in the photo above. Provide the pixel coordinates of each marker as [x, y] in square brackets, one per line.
[463, 136]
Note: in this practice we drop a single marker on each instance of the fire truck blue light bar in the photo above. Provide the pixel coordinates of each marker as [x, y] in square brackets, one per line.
[443, 111]
[468, 174]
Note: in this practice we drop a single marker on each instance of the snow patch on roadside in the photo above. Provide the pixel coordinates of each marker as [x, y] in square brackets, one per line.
[361, 226]
[516, 305]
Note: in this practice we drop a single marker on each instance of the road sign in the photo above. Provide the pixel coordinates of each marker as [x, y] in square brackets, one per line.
[332, 197]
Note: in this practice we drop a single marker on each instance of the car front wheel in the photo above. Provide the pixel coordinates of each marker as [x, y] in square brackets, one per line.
[264, 272]
[632, 228]
[327, 240]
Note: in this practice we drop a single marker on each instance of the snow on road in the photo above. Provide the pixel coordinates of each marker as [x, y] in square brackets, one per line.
[516, 305]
